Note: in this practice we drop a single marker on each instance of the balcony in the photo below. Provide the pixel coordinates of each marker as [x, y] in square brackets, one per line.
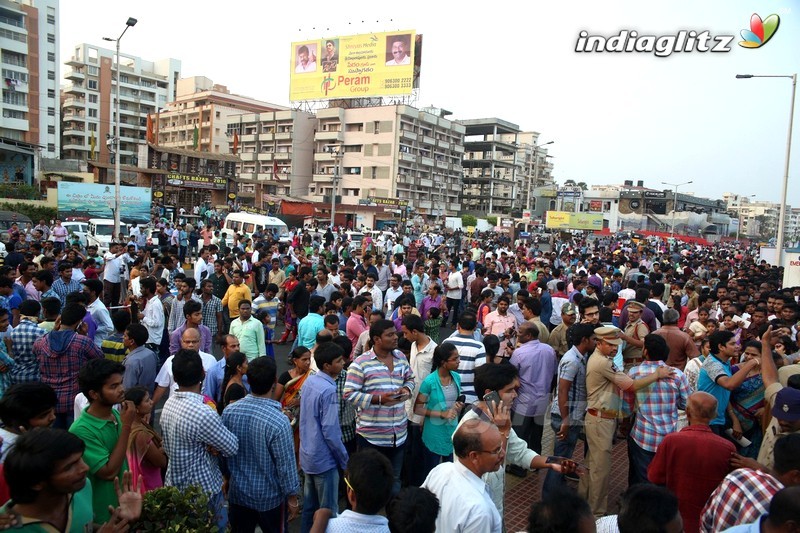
[265, 156]
[74, 88]
[74, 102]
[405, 156]
[251, 176]
[283, 156]
[266, 137]
[68, 130]
[283, 136]
[75, 75]
[427, 161]
[409, 135]
[322, 178]
[74, 62]
[79, 147]
[323, 156]
[425, 183]
[330, 136]
[428, 140]
[442, 164]
[247, 156]
[443, 144]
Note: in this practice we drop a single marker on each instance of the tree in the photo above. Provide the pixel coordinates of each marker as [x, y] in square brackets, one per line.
[468, 220]
[583, 185]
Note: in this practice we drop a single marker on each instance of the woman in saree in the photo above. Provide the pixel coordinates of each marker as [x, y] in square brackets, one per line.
[146, 456]
[289, 387]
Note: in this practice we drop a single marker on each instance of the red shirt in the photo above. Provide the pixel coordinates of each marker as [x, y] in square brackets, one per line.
[691, 463]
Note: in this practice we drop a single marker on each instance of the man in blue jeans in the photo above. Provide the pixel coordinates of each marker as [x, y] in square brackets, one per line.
[322, 452]
[569, 404]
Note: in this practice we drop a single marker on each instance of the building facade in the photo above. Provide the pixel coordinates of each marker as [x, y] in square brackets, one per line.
[206, 108]
[389, 152]
[88, 112]
[29, 107]
[275, 154]
[493, 169]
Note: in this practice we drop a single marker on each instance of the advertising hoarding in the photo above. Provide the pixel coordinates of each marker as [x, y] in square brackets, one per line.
[355, 66]
[565, 220]
[82, 201]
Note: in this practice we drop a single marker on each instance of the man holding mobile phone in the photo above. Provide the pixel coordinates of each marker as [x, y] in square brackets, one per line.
[378, 383]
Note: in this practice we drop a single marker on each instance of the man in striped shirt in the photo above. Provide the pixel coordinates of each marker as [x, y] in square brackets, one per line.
[471, 353]
[378, 384]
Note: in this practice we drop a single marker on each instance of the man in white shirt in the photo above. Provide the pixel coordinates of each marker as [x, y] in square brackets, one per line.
[392, 293]
[152, 316]
[165, 380]
[370, 287]
[466, 504]
[94, 288]
[201, 267]
[455, 286]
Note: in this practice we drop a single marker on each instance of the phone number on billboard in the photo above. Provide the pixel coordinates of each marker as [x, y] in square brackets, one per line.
[397, 83]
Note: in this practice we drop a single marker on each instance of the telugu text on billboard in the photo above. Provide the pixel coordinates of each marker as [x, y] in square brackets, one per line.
[566, 220]
[82, 201]
[355, 66]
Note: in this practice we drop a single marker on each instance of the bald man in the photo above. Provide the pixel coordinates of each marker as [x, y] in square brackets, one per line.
[190, 340]
[694, 461]
[466, 504]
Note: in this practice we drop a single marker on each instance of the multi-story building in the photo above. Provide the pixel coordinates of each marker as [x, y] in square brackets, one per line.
[29, 56]
[494, 169]
[89, 117]
[276, 154]
[534, 171]
[205, 107]
[394, 152]
[757, 218]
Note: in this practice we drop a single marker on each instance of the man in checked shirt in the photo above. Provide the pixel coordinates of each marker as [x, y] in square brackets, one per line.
[656, 407]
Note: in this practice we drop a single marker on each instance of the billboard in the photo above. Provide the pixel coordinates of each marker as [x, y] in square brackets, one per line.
[355, 66]
[565, 220]
[82, 201]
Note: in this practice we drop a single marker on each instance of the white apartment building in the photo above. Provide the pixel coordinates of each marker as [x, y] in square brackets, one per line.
[29, 37]
[209, 108]
[275, 148]
[389, 152]
[89, 96]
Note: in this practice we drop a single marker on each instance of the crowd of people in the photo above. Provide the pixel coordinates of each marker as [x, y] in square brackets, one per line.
[422, 372]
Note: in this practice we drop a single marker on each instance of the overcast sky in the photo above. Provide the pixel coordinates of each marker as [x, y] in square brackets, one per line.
[612, 116]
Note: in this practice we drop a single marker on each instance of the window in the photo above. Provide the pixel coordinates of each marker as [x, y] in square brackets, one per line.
[92, 84]
[51, 93]
[51, 38]
[218, 114]
[123, 78]
[352, 170]
[92, 98]
[51, 111]
[92, 127]
[15, 98]
[13, 35]
[51, 75]
[51, 130]
[51, 147]
[374, 172]
[352, 148]
[51, 56]
[14, 75]
[51, 19]
[13, 58]
[377, 126]
[11, 113]
[93, 71]
[92, 113]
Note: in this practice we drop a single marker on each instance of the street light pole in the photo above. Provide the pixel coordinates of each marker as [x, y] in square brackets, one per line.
[784, 189]
[674, 202]
[131, 22]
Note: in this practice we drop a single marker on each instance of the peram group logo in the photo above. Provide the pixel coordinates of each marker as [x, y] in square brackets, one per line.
[683, 41]
[760, 32]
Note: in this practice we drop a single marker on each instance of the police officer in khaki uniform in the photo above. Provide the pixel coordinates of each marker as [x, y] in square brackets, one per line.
[634, 335]
[604, 408]
[558, 337]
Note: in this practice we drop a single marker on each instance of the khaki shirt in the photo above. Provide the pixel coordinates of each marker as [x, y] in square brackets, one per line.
[544, 333]
[637, 330]
[558, 340]
[766, 455]
[603, 383]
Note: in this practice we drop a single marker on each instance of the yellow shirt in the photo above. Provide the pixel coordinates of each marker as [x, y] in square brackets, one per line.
[233, 296]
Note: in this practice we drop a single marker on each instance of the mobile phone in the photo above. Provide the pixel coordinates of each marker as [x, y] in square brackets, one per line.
[398, 396]
[461, 399]
[492, 400]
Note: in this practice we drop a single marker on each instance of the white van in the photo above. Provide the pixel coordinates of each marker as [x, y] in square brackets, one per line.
[100, 231]
[248, 223]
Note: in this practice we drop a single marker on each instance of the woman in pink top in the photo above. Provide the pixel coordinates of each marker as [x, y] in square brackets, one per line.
[146, 456]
